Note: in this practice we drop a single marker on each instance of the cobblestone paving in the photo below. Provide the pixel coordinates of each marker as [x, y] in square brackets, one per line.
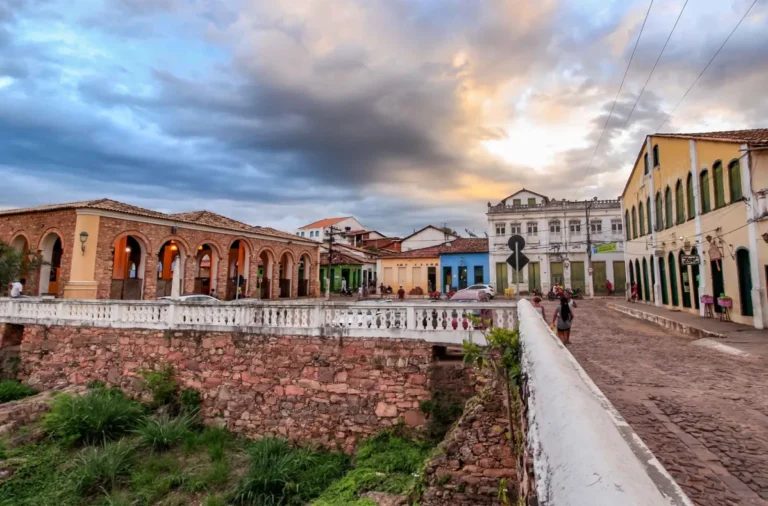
[702, 412]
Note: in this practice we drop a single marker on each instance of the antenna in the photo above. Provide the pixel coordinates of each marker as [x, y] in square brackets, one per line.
[470, 233]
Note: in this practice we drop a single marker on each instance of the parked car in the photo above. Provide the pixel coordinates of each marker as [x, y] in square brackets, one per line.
[471, 296]
[195, 298]
[483, 287]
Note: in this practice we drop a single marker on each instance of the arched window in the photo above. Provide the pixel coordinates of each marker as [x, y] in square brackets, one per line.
[656, 155]
[679, 202]
[634, 223]
[717, 174]
[641, 216]
[668, 207]
[659, 218]
[734, 180]
[689, 195]
[627, 231]
[645, 161]
[706, 204]
[648, 210]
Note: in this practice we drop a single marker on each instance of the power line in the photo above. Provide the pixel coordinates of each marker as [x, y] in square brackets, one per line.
[654, 66]
[708, 64]
[621, 85]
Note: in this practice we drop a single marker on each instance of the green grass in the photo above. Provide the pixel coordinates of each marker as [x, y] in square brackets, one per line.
[99, 468]
[11, 390]
[283, 475]
[387, 462]
[165, 432]
[98, 416]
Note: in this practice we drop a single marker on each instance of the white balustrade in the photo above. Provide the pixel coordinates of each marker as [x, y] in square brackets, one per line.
[439, 321]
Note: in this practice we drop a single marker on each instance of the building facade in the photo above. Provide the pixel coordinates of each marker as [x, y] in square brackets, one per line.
[695, 215]
[418, 268]
[318, 230]
[578, 244]
[110, 250]
[463, 262]
[426, 237]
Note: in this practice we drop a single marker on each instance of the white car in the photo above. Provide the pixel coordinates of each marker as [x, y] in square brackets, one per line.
[485, 288]
[196, 298]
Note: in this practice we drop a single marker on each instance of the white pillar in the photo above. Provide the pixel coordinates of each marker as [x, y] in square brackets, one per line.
[759, 308]
[699, 239]
[657, 285]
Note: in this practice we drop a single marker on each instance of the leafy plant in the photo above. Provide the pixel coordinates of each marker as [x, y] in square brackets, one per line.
[190, 400]
[161, 384]
[165, 432]
[11, 390]
[15, 264]
[100, 467]
[281, 475]
[442, 411]
[99, 415]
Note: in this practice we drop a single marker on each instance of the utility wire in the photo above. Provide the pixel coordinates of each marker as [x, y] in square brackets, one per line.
[708, 64]
[654, 66]
[621, 85]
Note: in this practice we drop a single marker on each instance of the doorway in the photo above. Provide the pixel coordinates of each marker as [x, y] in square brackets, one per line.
[556, 273]
[718, 286]
[745, 281]
[534, 276]
[673, 279]
[501, 277]
[647, 291]
[463, 279]
[127, 270]
[695, 279]
[638, 279]
[685, 281]
[50, 272]
[432, 278]
[663, 275]
[577, 276]
[448, 279]
[619, 276]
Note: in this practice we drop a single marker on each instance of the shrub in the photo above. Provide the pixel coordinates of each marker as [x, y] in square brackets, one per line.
[100, 467]
[190, 400]
[161, 384]
[283, 475]
[11, 390]
[100, 415]
[215, 439]
[166, 432]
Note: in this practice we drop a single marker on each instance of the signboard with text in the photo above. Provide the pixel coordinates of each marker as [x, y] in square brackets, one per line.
[689, 259]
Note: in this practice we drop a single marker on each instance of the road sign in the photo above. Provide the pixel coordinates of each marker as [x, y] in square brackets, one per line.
[689, 259]
[517, 260]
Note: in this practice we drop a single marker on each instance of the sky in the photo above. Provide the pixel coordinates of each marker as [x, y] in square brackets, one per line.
[402, 113]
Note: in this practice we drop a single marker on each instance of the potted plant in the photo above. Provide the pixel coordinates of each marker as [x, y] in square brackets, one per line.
[707, 299]
[724, 301]
[435, 295]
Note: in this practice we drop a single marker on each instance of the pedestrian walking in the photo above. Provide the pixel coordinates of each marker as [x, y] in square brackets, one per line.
[634, 292]
[609, 286]
[401, 293]
[538, 307]
[563, 320]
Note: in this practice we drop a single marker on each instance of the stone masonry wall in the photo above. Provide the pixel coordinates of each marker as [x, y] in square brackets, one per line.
[327, 390]
[15, 414]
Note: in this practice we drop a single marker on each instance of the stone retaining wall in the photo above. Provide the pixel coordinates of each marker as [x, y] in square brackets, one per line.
[14, 414]
[332, 391]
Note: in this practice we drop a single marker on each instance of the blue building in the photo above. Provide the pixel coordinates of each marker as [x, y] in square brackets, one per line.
[463, 263]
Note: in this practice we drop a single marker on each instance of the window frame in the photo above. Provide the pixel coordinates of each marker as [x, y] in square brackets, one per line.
[531, 201]
[691, 198]
[656, 159]
[645, 162]
[719, 184]
[517, 202]
[735, 182]
[704, 196]
[616, 227]
[515, 228]
[641, 219]
[668, 207]
[574, 227]
[555, 224]
[596, 226]
[532, 228]
[659, 207]
[501, 229]
[679, 202]
[634, 222]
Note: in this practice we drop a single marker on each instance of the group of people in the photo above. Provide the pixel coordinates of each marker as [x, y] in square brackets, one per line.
[563, 317]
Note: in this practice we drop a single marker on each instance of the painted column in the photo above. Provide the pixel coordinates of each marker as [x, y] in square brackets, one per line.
[699, 239]
[759, 308]
[657, 285]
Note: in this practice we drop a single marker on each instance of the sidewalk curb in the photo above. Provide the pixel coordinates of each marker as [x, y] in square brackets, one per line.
[667, 323]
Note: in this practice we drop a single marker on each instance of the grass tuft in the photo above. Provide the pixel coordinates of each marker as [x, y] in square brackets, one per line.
[99, 468]
[165, 432]
[11, 390]
[98, 416]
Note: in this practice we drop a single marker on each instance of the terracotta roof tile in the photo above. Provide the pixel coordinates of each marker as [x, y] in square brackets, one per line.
[340, 258]
[465, 245]
[756, 135]
[326, 222]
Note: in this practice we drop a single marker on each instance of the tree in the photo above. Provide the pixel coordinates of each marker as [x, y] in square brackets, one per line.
[15, 264]
[449, 230]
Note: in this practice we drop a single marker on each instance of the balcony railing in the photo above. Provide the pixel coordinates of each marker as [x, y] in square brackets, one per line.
[555, 204]
[439, 321]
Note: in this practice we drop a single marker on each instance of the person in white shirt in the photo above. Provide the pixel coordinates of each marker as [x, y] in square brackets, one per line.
[16, 289]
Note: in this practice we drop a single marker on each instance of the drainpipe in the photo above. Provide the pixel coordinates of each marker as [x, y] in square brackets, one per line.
[759, 308]
[699, 239]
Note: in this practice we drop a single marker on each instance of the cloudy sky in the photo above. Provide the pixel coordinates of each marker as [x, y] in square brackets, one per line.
[400, 112]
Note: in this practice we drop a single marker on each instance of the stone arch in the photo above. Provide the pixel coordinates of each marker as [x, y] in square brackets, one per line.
[266, 271]
[238, 258]
[52, 247]
[305, 273]
[172, 254]
[14, 242]
[145, 243]
[177, 239]
[205, 267]
[129, 265]
[286, 263]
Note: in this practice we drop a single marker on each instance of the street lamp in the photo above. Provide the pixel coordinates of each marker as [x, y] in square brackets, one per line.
[83, 239]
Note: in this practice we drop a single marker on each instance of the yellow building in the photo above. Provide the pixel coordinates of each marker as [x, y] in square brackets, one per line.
[411, 269]
[696, 224]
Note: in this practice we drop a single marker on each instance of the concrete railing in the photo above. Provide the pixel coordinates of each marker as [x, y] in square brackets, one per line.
[438, 321]
[584, 452]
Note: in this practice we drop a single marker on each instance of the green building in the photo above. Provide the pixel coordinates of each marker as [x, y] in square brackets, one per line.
[344, 267]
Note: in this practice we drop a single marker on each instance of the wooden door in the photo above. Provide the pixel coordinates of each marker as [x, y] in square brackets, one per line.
[599, 276]
[619, 276]
[577, 276]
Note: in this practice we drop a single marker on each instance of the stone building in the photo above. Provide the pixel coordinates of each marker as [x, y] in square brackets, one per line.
[110, 250]
[696, 222]
[557, 234]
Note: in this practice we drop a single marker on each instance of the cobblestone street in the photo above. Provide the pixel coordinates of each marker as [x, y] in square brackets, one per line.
[703, 413]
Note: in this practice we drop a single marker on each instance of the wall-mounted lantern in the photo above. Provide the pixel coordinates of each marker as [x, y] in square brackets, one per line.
[83, 239]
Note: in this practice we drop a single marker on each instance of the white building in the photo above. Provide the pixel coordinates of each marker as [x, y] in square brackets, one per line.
[556, 234]
[426, 237]
[317, 230]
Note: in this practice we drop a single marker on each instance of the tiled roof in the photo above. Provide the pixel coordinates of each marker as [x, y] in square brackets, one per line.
[326, 222]
[204, 217]
[425, 228]
[465, 245]
[340, 258]
[430, 252]
[756, 135]
[355, 248]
